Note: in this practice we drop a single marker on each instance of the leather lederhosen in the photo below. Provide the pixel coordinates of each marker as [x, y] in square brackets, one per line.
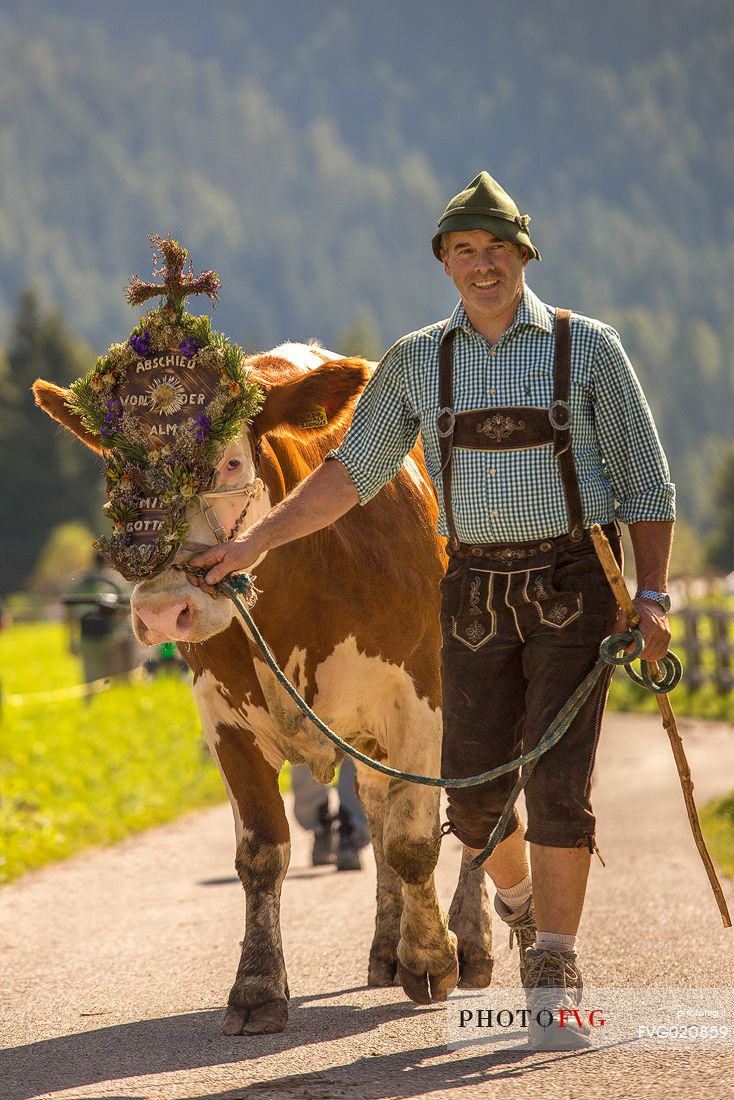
[512, 427]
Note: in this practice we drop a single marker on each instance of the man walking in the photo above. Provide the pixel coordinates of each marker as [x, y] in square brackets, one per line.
[534, 428]
[313, 813]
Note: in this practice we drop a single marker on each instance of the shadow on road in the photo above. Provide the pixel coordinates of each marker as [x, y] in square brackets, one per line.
[398, 1076]
[173, 1043]
[194, 1040]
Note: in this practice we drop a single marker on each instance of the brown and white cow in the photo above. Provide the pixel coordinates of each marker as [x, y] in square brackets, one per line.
[351, 615]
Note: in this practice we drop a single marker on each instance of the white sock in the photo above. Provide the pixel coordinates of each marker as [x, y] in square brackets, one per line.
[516, 896]
[554, 939]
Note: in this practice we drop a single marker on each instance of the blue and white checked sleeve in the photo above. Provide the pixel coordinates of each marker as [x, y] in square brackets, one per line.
[628, 439]
[384, 429]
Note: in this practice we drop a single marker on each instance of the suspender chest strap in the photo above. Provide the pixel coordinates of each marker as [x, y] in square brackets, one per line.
[512, 427]
[559, 415]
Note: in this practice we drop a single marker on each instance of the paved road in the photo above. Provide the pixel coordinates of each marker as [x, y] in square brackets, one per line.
[115, 965]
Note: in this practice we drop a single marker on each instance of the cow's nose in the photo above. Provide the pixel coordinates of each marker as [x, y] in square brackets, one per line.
[169, 623]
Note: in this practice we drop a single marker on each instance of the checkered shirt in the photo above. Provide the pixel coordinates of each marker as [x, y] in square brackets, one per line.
[515, 496]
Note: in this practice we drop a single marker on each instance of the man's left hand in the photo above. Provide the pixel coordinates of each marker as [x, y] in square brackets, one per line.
[653, 627]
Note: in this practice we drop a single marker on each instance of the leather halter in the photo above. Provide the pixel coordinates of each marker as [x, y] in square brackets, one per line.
[253, 490]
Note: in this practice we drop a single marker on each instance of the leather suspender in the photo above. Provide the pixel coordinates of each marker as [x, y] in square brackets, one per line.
[559, 416]
[445, 426]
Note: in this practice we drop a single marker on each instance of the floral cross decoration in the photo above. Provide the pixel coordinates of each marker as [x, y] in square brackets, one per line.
[151, 474]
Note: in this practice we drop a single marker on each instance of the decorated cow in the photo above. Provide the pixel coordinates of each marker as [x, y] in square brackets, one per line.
[199, 442]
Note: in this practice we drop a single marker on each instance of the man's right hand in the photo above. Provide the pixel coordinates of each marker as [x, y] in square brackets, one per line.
[653, 626]
[224, 558]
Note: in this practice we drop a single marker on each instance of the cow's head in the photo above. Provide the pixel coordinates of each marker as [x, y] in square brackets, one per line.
[304, 397]
[182, 422]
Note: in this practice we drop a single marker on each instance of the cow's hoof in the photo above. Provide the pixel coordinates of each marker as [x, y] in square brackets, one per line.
[442, 984]
[262, 1019]
[475, 973]
[234, 1020]
[425, 988]
[414, 986]
[267, 1018]
[381, 971]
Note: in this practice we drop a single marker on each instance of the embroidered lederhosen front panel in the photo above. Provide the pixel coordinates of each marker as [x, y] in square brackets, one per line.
[475, 622]
[554, 608]
[517, 601]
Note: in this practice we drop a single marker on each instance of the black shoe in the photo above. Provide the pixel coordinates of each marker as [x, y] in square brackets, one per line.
[347, 857]
[322, 853]
[347, 852]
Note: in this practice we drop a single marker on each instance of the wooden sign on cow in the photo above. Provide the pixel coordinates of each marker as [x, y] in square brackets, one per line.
[163, 392]
[166, 390]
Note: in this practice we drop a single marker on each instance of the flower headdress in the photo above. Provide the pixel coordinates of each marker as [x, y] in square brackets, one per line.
[163, 405]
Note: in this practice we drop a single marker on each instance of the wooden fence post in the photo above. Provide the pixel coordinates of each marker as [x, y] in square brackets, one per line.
[707, 630]
[722, 649]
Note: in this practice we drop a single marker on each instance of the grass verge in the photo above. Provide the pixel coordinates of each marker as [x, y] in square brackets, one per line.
[717, 822]
[74, 775]
[705, 702]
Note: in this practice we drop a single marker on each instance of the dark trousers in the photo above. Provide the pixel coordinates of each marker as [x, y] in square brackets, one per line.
[521, 629]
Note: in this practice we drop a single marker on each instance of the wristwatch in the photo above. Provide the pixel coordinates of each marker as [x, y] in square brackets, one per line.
[661, 598]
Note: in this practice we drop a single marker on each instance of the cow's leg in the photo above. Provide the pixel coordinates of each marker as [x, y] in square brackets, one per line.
[427, 951]
[470, 917]
[258, 1001]
[428, 966]
[384, 951]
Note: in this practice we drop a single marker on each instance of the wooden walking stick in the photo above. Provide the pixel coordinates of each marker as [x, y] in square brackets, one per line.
[616, 581]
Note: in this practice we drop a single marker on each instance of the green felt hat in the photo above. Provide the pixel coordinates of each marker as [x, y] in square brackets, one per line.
[483, 204]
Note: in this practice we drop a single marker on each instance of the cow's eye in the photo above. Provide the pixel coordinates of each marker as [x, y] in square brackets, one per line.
[234, 464]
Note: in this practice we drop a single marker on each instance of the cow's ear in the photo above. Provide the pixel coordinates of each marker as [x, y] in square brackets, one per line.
[317, 400]
[52, 399]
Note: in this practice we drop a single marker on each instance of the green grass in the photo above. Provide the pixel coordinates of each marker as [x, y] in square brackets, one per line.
[717, 821]
[34, 657]
[72, 775]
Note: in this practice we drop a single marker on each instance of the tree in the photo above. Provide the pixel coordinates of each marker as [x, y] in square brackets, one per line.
[66, 554]
[720, 552]
[46, 475]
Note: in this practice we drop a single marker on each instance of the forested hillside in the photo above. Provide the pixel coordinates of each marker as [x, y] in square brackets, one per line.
[305, 150]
